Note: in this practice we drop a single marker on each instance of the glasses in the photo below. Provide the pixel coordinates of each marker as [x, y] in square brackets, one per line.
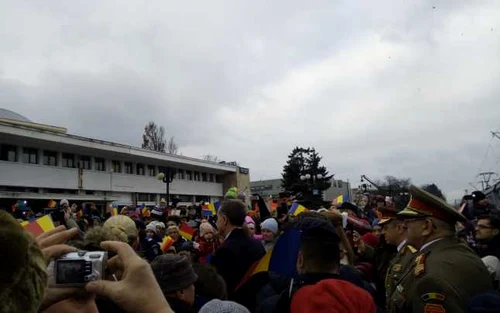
[483, 226]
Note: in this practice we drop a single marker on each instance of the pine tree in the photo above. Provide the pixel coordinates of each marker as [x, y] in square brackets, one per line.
[303, 161]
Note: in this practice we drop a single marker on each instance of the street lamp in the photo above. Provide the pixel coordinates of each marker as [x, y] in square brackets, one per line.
[314, 178]
[167, 176]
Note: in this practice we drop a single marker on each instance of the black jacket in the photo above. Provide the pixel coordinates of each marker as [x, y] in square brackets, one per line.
[179, 306]
[235, 256]
[491, 247]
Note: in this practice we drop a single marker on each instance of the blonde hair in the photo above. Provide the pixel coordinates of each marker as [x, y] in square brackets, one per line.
[23, 277]
[123, 228]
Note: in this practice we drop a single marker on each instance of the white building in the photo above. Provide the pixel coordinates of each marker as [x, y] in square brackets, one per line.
[45, 162]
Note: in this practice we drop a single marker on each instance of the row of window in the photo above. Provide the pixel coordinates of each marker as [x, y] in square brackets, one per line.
[50, 158]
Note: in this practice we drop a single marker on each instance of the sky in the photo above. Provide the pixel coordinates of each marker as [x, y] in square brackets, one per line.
[402, 88]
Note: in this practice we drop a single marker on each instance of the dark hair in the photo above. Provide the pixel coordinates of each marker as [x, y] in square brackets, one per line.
[210, 285]
[494, 220]
[235, 211]
[319, 244]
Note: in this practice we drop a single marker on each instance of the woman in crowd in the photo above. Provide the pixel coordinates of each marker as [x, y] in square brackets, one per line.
[269, 233]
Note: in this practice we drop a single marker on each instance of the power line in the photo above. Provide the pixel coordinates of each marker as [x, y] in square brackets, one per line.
[486, 154]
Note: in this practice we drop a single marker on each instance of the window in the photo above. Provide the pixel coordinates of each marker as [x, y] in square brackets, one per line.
[189, 175]
[211, 178]
[100, 164]
[85, 162]
[129, 169]
[50, 158]
[30, 156]
[140, 169]
[8, 153]
[117, 166]
[197, 176]
[151, 170]
[218, 179]
[180, 174]
[204, 177]
[68, 160]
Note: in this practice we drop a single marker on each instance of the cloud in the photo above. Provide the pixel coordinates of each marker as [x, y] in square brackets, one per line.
[378, 88]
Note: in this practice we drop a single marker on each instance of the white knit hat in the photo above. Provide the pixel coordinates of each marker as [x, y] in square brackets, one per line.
[218, 306]
[493, 265]
[270, 224]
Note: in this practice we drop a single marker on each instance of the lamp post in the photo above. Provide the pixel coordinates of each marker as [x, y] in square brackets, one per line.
[314, 178]
[167, 176]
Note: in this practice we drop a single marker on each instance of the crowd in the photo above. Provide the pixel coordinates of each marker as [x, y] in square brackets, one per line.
[429, 257]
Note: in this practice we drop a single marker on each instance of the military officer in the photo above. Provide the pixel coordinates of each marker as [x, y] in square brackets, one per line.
[445, 273]
[394, 232]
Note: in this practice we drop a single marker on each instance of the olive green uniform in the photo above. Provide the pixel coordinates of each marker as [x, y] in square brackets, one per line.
[398, 266]
[442, 278]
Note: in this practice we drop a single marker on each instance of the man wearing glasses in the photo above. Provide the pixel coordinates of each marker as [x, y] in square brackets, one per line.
[487, 236]
[446, 273]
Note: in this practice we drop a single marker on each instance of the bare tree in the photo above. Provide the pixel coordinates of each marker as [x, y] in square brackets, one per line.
[211, 158]
[154, 137]
[172, 147]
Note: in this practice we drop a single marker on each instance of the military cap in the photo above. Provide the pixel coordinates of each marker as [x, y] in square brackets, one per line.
[424, 204]
[388, 214]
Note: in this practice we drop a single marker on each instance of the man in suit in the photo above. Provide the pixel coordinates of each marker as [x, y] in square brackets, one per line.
[238, 251]
[394, 232]
[446, 273]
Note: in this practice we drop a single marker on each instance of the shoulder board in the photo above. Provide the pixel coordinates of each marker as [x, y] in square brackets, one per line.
[412, 250]
[419, 265]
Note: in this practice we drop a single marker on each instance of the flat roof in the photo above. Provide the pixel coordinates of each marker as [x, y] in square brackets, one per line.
[38, 132]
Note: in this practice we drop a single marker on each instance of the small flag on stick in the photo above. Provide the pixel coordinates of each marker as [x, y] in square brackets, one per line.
[297, 209]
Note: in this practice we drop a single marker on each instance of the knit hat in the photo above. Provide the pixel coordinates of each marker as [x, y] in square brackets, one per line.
[332, 296]
[249, 220]
[173, 273]
[370, 239]
[270, 224]
[157, 211]
[206, 228]
[64, 201]
[218, 306]
[151, 227]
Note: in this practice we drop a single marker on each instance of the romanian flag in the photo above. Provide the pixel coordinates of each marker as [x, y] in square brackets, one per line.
[297, 209]
[217, 206]
[39, 226]
[145, 212]
[114, 212]
[166, 243]
[282, 259]
[186, 231]
[52, 204]
[338, 200]
[273, 205]
[208, 209]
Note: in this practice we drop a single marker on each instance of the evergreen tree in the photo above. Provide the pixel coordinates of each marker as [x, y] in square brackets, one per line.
[302, 162]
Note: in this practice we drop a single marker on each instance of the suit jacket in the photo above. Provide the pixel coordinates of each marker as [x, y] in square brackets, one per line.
[442, 278]
[235, 256]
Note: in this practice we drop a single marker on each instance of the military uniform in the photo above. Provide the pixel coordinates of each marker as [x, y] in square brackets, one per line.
[399, 265]
[445, 273]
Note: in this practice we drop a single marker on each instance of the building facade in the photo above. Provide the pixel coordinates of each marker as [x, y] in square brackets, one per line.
[272, 188]
[45, 162]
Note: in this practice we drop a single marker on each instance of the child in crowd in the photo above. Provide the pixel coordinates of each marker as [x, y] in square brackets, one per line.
[269, 233]
[207, 242]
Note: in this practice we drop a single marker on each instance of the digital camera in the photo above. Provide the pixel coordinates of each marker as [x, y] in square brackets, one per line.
[75, 269]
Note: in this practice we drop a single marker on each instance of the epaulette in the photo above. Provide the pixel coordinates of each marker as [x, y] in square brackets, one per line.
[412, 250]
[419, 265]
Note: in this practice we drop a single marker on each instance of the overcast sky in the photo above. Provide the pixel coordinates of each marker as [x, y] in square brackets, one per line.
[404, 88]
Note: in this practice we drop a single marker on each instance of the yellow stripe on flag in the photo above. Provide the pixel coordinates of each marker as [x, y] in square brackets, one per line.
[46, 223]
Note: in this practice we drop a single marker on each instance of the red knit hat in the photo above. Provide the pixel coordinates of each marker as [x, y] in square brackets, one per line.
[370, 239]
[332, 296]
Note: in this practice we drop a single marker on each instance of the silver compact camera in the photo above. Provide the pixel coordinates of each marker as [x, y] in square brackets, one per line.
[76, 269]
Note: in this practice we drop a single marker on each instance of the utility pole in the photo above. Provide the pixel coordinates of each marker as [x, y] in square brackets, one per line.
[486, 177]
